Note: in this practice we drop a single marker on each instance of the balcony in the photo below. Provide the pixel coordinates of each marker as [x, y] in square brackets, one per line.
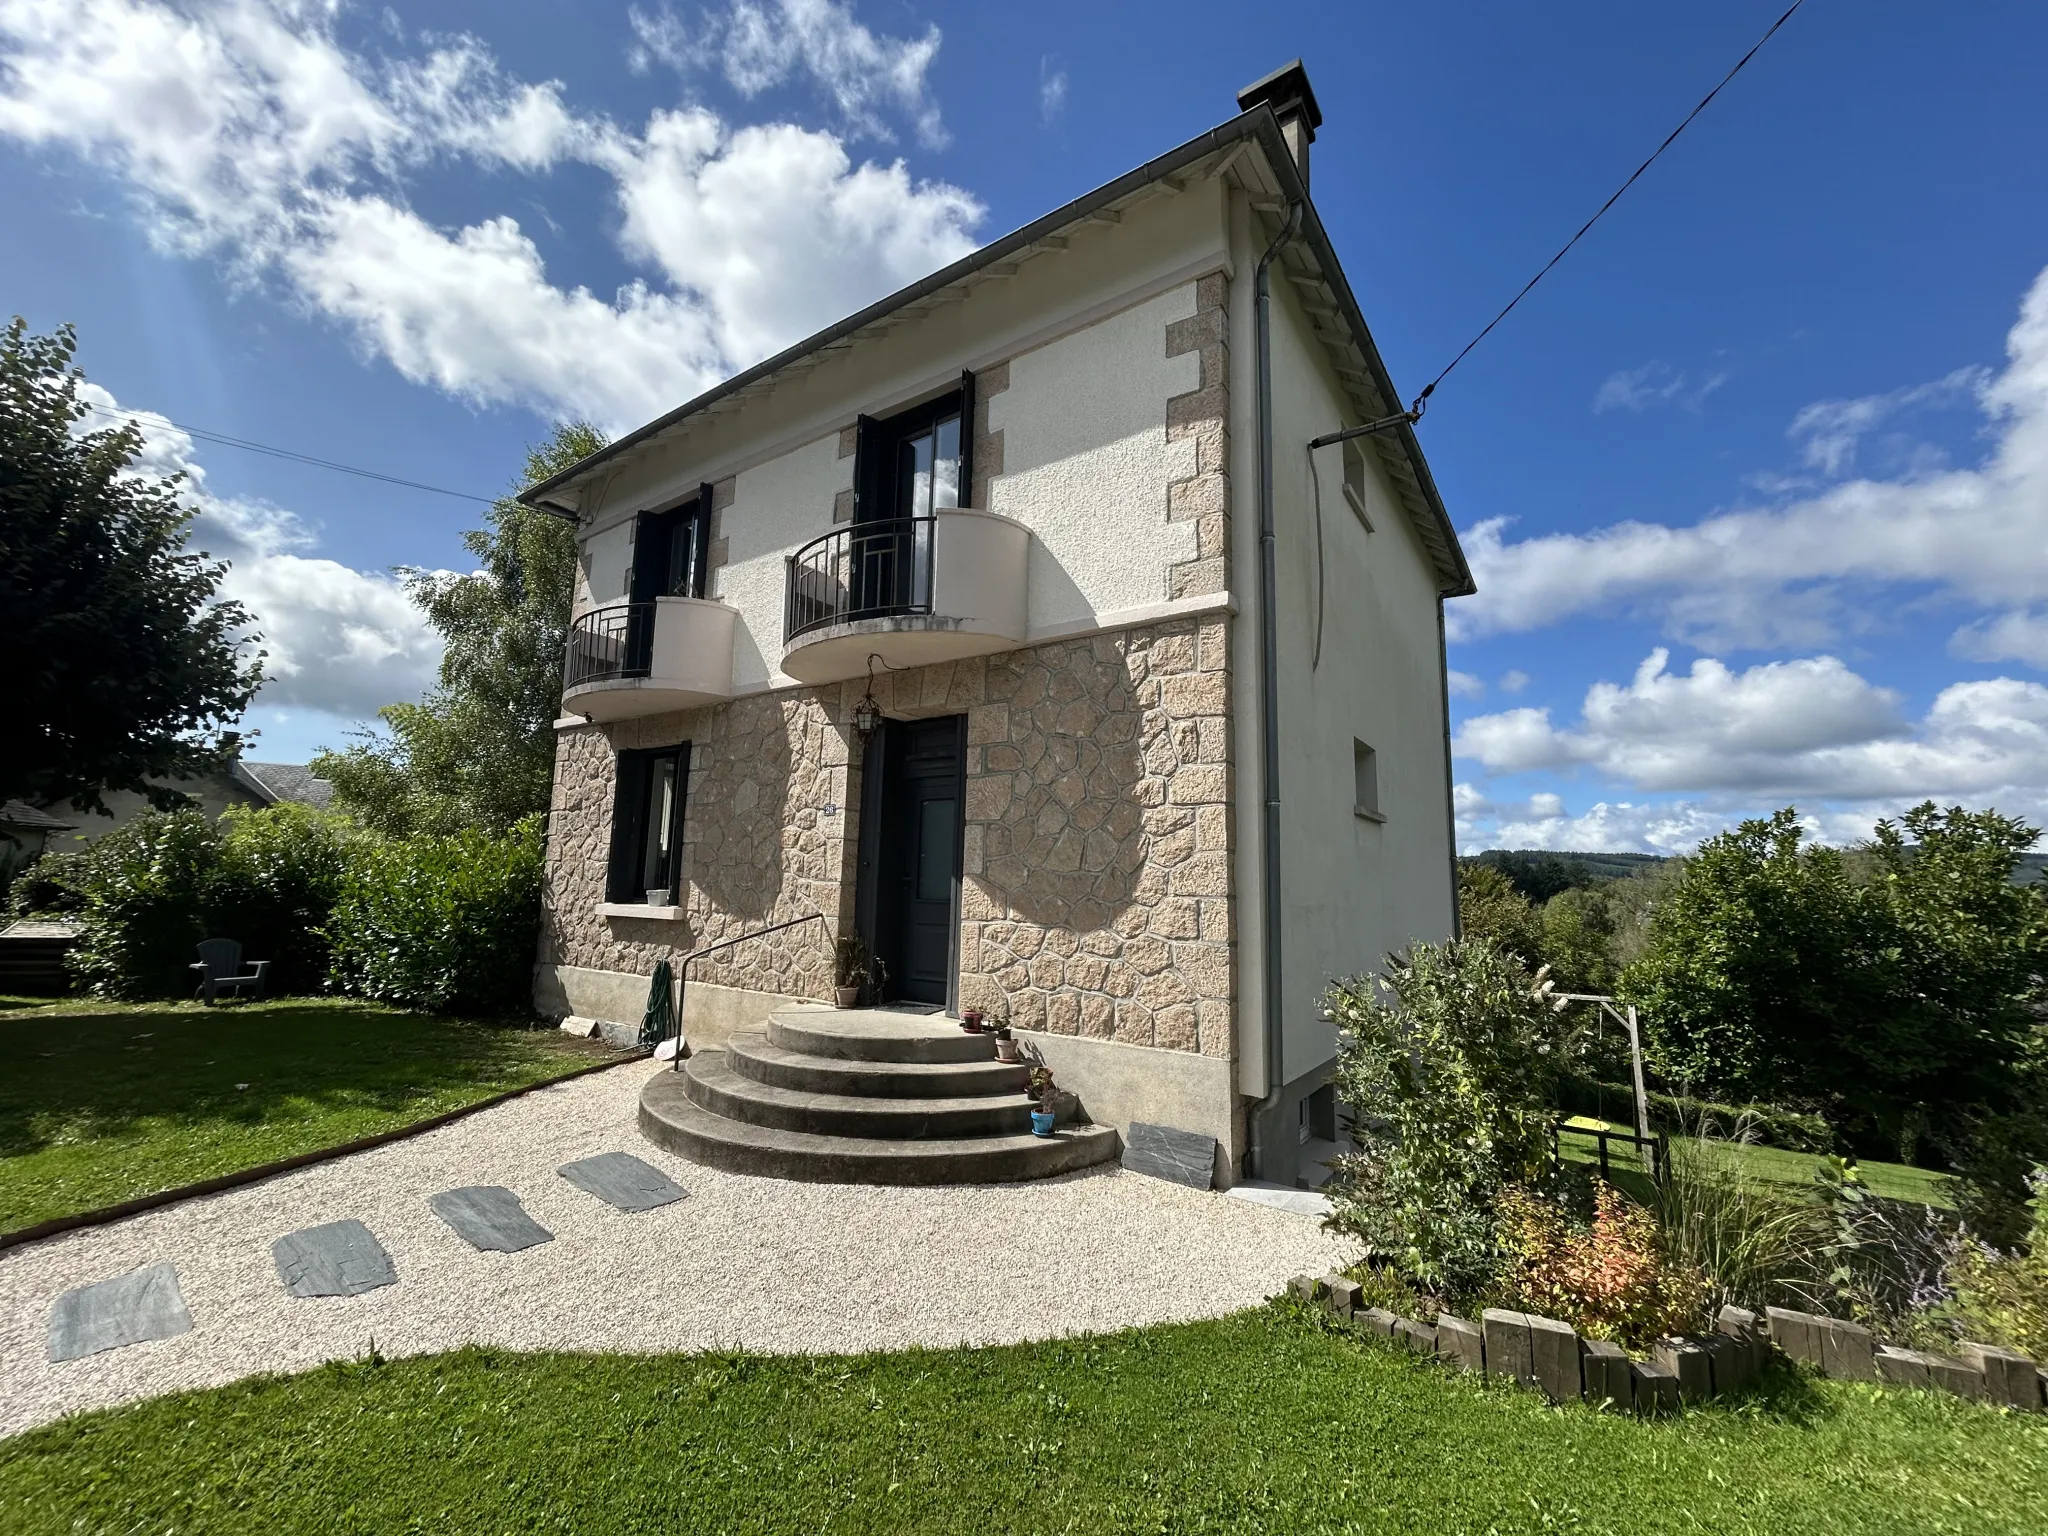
[632, 659]
[913, 590]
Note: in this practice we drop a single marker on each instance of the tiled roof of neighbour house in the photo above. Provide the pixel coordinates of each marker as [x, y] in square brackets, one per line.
[1310, 262]
[286, 781]
[19, 813]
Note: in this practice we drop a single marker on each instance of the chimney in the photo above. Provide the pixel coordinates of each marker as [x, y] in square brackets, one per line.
[1288, 93]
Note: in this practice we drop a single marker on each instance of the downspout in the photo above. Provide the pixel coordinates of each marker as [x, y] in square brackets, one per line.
[1443, 658]
[1269, 702]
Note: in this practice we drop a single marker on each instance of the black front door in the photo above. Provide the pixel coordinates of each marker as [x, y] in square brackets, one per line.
[910, 853]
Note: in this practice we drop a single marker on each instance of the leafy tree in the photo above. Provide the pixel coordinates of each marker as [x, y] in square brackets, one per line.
[1759, 960]
[1449, 1065]
[479, 751]
[1577, 926]
[122, 668]
[1536, 874]
[1490, 908]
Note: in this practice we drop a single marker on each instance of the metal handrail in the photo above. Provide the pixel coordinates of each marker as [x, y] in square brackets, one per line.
[872, 570]
[608, 644]
[683, 970]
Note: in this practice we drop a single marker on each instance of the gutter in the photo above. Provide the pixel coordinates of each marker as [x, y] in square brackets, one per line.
[1269, 700]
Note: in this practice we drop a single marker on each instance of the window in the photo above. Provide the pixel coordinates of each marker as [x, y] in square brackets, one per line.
[918, 461]
[1365, 770]
[1354, 480]
[647, 826]
[669, 549]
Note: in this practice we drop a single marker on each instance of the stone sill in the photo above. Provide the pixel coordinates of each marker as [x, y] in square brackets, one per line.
[1364, 815]
[639, 910]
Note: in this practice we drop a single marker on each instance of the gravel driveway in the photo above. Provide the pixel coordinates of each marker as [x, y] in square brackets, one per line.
[742, 1262]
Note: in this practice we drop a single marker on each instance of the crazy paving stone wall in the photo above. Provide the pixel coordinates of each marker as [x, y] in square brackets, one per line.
[1096, 861]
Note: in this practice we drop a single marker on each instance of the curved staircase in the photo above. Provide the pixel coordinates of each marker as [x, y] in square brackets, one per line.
[861, 1096]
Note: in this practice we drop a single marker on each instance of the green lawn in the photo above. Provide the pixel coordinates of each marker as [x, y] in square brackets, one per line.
[1896, 1181]
[100, 1102]
[1261, 1422]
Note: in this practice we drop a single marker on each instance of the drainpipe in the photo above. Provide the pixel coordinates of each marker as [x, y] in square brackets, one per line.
[1269, 701]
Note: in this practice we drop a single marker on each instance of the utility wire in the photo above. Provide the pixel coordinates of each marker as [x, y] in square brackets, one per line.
[223, 440]
[1415, 410]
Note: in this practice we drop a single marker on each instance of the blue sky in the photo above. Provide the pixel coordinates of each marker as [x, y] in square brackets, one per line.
[1756, 483]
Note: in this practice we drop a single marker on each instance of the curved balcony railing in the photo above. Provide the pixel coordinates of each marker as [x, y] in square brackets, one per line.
[608, 644]
[874, 570]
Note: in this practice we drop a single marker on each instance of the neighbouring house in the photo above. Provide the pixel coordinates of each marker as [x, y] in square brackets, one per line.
[239, 783]
[955, 624]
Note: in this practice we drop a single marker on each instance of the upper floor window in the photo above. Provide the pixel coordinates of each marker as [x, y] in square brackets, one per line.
[918, 461]
[1354, 480]
[670, 549]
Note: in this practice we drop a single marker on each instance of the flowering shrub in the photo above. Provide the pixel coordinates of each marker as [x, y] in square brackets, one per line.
[1448, 1063]
[2003, 1297]
[1609, 1279]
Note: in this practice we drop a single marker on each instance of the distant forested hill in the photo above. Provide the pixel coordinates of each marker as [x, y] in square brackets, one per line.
[1539, 873]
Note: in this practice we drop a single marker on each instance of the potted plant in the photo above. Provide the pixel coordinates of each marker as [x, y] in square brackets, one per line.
[854, 968]
[972, 1020]
[1047, 1098]
[1006, 1043]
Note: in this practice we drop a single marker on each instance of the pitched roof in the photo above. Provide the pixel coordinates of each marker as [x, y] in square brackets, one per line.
[286, 781]
[19, 813]
[1310, 262]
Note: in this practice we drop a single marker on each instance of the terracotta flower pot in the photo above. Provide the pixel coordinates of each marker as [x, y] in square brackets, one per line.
[1006, 1050]
[847, 997]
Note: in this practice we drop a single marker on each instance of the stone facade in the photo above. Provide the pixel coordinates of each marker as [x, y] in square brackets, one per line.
[1096, 894]
[1203, 416]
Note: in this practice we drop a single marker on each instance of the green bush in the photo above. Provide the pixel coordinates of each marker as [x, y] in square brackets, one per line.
[279, 873]
[441, 923]
[1450, 1074]
[143, 888]
[2002, 1298]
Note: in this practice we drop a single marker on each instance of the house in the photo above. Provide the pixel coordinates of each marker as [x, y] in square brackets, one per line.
[955, 624]
[238, 783]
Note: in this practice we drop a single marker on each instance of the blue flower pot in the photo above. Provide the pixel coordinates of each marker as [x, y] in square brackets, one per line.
[1041, 1123]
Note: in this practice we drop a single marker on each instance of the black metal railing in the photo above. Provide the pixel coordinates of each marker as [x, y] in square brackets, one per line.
[609, 643]
[876, 570]
[683, 971]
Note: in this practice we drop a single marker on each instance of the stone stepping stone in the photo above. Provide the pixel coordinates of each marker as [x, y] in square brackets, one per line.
[143, 1304]
[1165, 1152]
[621, 1179]
[338, 1259]
[490, 1217]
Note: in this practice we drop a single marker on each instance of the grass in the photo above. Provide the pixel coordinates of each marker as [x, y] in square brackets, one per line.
[1894, 1181]
[101, 1102]
[1267, 1421]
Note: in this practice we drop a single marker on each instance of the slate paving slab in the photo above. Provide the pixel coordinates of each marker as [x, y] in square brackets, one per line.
[621, 1179]
[142, 1304]
[338, 1259]
[490, 1217]
[1164, 1152]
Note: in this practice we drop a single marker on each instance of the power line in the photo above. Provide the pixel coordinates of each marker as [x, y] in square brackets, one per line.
[1416, 408]
[223, 440]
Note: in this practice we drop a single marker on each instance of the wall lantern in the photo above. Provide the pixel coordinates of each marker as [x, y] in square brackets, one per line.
[867, 714]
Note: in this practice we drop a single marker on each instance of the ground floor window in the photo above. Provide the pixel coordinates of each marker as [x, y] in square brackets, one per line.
[647, 825]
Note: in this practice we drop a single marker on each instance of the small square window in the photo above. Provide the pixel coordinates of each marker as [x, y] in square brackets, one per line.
[1365, 771]
[647, 826]
[1354, 480]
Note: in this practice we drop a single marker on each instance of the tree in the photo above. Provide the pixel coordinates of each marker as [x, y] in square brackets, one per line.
[479, 751]
[1491, 908]
[123, 669]
[1577, 938]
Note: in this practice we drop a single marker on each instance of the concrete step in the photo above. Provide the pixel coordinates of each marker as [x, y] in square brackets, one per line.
[875, 1034]
[671, 1119]
[712, 1084]
[753, 1055]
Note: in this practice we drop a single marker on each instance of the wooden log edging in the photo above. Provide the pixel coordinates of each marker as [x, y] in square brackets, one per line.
[1545, 1355]
[256, 1175]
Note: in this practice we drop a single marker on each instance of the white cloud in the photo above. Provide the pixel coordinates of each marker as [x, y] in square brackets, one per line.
[1637, 389]
[244, 129]
[1542, 821]
[338, 640]
[1803, 573]
[760, 44]
[1463, 685]
[1810, 729]
[1052, 89]
[1514, 680]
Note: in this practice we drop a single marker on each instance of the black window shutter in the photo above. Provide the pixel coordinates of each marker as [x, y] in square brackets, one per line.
[629, 821]
[967, 439]
[675, 861]
[650, 558]
[867, 471]
[700, 538]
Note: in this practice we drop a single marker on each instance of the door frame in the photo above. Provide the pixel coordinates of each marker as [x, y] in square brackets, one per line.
[874, 801]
